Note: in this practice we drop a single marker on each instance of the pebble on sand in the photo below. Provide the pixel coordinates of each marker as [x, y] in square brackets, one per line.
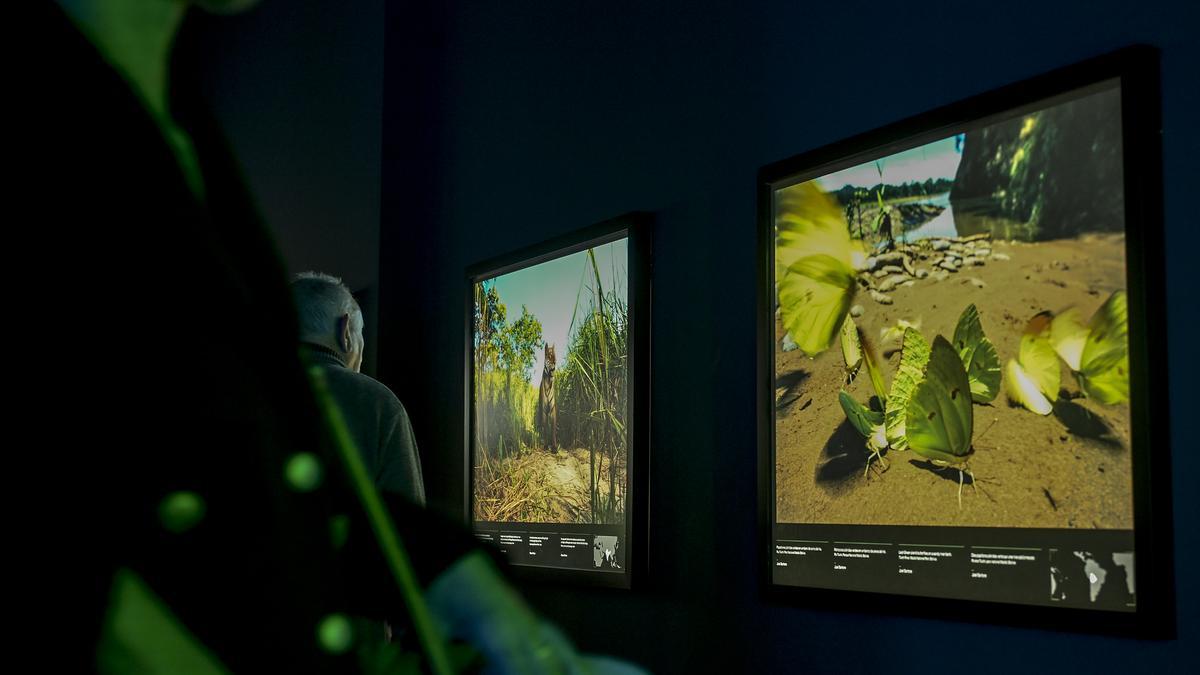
[892, 282]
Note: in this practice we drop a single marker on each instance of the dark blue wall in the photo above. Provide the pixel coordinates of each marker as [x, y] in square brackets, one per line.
[506, 123]
[297, 87]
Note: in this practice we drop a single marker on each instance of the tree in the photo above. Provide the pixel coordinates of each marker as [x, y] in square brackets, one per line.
[489, 317]
[521, 341]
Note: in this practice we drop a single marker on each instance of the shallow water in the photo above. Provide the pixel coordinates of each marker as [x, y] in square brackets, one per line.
[972, 217]
[942, 225]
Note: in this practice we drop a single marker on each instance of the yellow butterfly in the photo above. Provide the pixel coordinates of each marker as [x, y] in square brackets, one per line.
[815, 265]
[940, 420]
[1033, 379]
[857, 351]
[1098, 354]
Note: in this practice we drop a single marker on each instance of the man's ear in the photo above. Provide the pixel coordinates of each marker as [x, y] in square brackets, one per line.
[345, 334]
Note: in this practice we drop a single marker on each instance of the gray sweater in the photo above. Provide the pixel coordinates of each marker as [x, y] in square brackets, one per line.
[379, 424]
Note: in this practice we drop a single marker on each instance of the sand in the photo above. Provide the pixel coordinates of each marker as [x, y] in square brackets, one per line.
[1070, 469]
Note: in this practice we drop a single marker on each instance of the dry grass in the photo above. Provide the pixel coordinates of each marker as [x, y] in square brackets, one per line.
[519, 488]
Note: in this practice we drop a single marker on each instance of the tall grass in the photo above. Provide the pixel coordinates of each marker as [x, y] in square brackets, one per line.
[592, 390]
[504, 409]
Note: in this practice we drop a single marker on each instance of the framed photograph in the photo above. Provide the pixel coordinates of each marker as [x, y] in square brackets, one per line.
[962, 360]
[557, 404]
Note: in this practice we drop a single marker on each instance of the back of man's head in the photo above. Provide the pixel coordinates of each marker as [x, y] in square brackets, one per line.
[321, 302]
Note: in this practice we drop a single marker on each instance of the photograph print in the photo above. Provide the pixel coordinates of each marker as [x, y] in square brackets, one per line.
[550, 357]
[951, 334]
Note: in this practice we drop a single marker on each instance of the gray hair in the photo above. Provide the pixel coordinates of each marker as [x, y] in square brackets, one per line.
[321, 299]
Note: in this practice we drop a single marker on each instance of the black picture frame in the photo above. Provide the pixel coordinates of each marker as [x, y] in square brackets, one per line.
[1137, 69]
[636, 228]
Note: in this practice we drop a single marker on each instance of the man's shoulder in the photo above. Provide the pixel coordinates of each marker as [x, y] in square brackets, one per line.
[363, 385]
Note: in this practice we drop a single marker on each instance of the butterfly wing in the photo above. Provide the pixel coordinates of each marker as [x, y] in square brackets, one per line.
[1021, 389]
[1068, 335]
[814, 297]
[1033, 379]
[940, 421]
[852, 352]
[815, 263]
[1104, 362]
[978, 355]
[863, 419]
[1038, 358]
[809, 222]
[914, 355]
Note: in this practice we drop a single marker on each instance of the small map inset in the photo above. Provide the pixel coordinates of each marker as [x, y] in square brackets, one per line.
[604, 552]
[1086, 578]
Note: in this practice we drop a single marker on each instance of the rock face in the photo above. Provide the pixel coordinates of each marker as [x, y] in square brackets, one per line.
[1058, 170]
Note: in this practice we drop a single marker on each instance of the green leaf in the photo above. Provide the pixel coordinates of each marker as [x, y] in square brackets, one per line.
[142, 635]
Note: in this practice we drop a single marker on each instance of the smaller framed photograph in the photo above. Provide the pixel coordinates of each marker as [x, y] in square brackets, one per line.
[557, 366]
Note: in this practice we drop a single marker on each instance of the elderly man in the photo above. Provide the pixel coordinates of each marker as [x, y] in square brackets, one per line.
[331, 325]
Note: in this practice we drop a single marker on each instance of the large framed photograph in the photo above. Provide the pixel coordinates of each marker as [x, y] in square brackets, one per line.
[962, 359]
[557, 364]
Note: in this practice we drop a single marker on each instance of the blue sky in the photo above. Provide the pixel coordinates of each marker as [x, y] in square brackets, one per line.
[549, 292]
[938, 159]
